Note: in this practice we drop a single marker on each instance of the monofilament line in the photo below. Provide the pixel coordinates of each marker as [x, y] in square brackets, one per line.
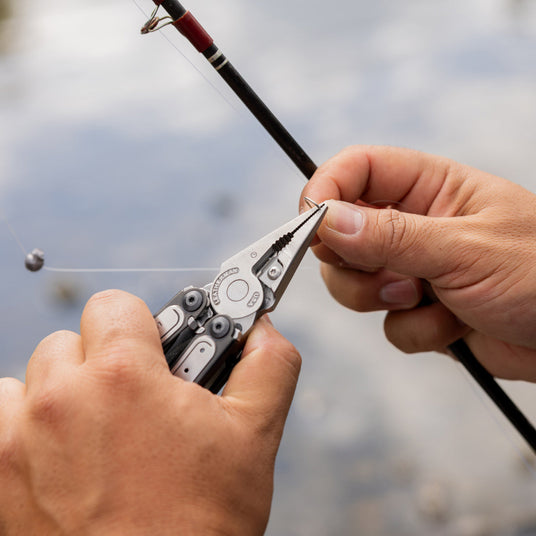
[193, 65]
[14, 235]
[126, 270]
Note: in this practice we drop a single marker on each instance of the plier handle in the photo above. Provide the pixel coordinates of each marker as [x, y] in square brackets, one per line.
[204, 329]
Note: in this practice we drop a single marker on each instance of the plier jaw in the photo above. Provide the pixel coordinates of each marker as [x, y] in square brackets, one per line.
[203, 330]
[252, 282]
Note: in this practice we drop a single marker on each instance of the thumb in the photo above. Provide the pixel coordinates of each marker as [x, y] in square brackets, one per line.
[406, 243]
[263, 382]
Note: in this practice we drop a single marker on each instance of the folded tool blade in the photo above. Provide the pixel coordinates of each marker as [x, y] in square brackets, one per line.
[252, 282]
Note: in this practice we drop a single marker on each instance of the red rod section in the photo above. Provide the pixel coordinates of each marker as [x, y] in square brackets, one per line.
[194, 32]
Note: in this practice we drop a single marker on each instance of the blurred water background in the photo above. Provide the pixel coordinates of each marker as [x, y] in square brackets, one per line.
[116, 152]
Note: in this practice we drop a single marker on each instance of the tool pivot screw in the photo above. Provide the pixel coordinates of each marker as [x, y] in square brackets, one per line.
[274, 272]
[220, 327]
[193, 300]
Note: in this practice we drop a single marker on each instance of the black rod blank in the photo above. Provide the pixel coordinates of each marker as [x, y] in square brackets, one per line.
[186, 23]
[464, 355]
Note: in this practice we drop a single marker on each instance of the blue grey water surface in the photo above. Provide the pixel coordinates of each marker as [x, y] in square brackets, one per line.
[116, 152]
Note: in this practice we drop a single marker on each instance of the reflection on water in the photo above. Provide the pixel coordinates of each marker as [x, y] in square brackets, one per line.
[115, 153]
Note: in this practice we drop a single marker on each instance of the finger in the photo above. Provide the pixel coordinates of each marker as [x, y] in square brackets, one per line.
[387, 175]
[425, 329]
[118, 325]
[57, 354]
[12, 394]
[363, 291]
[264, 381]
[395, 240]
[502, 359]
[326, 255]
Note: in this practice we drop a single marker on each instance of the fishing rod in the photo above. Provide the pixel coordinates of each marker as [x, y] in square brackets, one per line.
[189, 26]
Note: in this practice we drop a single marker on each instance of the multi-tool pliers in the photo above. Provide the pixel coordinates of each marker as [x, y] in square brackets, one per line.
[203, 330]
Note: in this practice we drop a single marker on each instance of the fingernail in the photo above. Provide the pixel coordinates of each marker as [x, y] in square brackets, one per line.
[400, 293]
[344, 218]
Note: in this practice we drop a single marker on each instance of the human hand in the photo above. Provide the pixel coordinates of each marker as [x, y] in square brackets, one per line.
[103, 440]
[469, 234]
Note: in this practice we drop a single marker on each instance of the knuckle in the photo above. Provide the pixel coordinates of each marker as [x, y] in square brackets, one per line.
[55, 340]
[9, 453]
[290, 354]
[118, 370]
[48, 405]
[7, 386]
[118, 366]
[394, 226]
[9, 444]
[284, 351]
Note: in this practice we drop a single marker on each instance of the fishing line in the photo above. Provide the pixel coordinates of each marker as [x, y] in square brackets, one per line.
[192, 64]
[184, 22]
[14, 234]
[35, 261]
[36, 254]
[126, 270]
[236, 109]
[138, 270]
